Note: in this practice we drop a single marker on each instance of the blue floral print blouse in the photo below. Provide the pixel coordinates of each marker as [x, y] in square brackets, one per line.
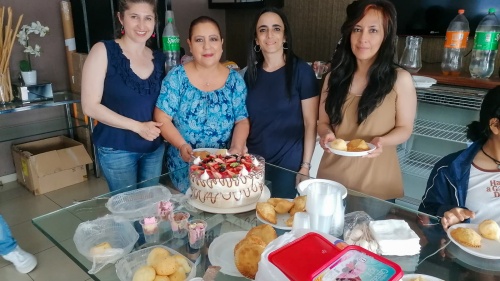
[204, 119]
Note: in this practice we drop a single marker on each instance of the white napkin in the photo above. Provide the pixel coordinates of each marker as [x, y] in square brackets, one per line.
[395, 237]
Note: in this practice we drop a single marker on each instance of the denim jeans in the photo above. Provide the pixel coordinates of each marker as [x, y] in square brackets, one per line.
[7, 242]
[124, 168]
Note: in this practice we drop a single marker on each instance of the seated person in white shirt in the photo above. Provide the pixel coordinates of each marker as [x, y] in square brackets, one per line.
[465, 186]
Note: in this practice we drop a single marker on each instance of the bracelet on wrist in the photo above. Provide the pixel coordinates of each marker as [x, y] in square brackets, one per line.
[180, 147]
[306, 165]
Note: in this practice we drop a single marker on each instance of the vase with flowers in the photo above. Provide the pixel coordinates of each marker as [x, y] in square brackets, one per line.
[27, 72]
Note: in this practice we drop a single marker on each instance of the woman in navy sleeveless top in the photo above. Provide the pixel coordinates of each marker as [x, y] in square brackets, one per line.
[120, 84]
[282, 101]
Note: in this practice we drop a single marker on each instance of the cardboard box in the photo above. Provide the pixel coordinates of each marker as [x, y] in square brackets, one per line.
[76, 81]
[50, 164]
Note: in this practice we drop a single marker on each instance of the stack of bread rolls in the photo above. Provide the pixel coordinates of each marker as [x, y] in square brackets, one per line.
[162, 266]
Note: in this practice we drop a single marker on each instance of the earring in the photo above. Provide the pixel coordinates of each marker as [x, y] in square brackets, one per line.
[154, 34]
[255, 48]
[285, 45]
[122, 31]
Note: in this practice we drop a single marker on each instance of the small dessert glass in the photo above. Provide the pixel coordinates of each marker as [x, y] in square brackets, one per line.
[179, 224]
[196, 233]
[164, 209]
[150, 229]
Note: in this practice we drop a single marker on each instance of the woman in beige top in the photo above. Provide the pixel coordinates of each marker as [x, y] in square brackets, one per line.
[367, 96]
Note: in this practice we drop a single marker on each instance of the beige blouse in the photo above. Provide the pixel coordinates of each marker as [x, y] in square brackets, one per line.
[379, 176]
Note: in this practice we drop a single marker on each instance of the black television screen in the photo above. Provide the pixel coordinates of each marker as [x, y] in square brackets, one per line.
[432, 17]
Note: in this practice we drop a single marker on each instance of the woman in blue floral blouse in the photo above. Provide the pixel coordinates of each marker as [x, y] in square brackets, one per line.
[201, 103]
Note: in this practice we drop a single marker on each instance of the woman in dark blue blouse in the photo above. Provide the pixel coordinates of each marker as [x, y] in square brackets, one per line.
[121, 81]
[282, 100]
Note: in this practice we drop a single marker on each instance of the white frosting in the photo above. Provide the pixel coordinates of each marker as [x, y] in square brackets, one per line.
[244, 171]
[197, 161]
[204, 176]
[229, 192]
[255, 162]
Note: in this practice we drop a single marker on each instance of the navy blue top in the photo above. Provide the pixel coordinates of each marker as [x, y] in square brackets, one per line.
[127, 94]
[276, 122]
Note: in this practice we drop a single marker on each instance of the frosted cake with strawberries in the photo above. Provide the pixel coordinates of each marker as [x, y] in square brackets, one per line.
[224, 181]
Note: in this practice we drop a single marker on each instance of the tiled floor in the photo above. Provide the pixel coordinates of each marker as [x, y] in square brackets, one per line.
[18, 206]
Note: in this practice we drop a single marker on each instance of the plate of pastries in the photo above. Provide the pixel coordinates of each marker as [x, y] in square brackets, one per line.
[352, 148]
[279, 212]
[481, 240]
[238, 253]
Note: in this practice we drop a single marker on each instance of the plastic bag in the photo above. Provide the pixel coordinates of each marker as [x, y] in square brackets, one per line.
[357, 231]
[116, 231]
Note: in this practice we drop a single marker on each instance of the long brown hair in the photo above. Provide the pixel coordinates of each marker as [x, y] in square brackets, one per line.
[382, 74]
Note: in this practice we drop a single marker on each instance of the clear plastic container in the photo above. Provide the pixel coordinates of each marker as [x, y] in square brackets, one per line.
[137, 204]
[455, 45]
[485, 46]
[117, 232]
[127, 265]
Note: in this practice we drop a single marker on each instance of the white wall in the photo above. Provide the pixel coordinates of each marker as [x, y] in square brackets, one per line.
[187, 10]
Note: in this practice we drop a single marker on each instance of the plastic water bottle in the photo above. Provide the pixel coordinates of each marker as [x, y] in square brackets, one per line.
[455, 45]
[485, 46]
[171, 44]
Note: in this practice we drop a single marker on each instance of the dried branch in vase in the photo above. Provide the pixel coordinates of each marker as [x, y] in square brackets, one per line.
[7, 38]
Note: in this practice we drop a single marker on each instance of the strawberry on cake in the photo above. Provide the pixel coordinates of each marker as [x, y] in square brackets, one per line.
[225, 181]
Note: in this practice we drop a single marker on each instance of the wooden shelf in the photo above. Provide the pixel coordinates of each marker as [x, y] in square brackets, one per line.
[464, 80]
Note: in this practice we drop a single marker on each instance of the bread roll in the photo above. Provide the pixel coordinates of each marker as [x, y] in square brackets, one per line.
[156, 255]
[489, 229]
[357, 145]
[161, 278]
[99, 249]
[267, 212]
[144, 273]
[178, 275]
[339, 144]
[264, 231]
[166, 266]
[467, 237]
[283, 206]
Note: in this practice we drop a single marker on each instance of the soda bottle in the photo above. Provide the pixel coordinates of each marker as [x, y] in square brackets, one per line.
[171, 44]
[455, 44]
[485, 46]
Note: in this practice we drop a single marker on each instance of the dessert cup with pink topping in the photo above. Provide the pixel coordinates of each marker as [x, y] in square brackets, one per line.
[179, 224]
[196, 233]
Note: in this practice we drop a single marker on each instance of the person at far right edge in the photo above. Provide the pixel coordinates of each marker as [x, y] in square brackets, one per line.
[367, 96]
[465, 186]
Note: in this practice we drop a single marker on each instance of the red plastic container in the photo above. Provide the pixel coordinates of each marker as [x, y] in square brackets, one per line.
[313, 258]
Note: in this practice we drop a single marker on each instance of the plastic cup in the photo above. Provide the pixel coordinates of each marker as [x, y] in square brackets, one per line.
[179, 224]
[319, 69]
[164, 209]
[150, 229]
[196, 233]
[320, 205]
[301, 220]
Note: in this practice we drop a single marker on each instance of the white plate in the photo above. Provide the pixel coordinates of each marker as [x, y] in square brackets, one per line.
[221, 252]
[266, 194]
[280, 220]
[490, 249]
[409, 277]
[423, 82]
[302, 186]
[351, 153]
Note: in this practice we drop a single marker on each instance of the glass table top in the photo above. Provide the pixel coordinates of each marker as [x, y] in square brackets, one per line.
[437, 257]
